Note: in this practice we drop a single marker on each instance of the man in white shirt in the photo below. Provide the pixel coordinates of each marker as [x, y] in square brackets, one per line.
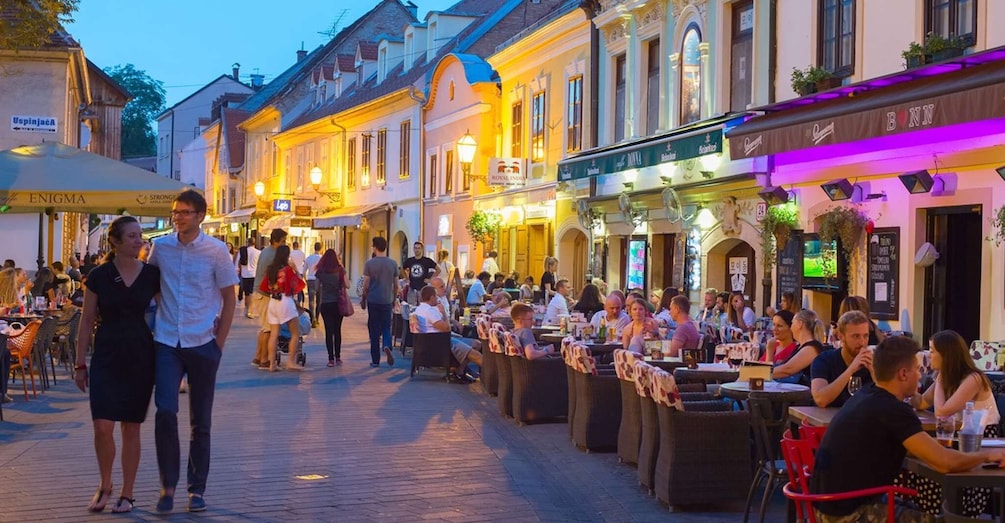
[193, 321]
[312, 283]
[248, 275]
[614, 315]
[559, 305]
[432, 317]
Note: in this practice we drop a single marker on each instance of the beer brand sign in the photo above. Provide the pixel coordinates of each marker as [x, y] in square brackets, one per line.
[646, 154]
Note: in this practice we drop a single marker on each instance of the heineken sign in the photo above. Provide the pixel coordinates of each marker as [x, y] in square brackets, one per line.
[642, 155]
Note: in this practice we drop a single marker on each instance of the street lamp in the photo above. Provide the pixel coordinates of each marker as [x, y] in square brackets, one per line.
[316, 174]
[259, 189]
[466, 148]
[316, 177]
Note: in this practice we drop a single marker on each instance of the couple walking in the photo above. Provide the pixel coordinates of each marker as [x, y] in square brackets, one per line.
[192, 277]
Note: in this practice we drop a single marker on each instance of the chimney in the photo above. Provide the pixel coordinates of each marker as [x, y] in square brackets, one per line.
[302, 53]
[412, 8]
[237, 71]
[257, 81]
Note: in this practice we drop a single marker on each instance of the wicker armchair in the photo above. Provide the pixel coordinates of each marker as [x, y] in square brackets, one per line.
[570, 379]
[489, 375]
[630, 429]
[504, 371]
[649, 431]
[598, 405]
[67, 343]
[20, 346]
[704, 457]
[540, 387]
[431, 350]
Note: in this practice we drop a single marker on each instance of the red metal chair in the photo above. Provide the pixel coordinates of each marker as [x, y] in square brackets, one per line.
[798, 455]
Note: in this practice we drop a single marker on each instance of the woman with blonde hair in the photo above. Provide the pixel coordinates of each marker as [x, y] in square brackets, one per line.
[548, 279]
[633, 335]
[807, 331]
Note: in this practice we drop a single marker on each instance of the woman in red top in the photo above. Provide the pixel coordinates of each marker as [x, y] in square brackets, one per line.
[782, 346]
[282, 283]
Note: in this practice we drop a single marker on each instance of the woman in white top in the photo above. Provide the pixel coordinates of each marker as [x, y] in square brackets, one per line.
[446, 268]
[958, 382]
[740, 316]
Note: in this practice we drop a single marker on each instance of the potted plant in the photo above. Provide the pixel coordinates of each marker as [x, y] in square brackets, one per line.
[482, 225]
[778, 224]
[914, 56]
[811, 80]
[934, 49]
[843, 223]
[998, 222]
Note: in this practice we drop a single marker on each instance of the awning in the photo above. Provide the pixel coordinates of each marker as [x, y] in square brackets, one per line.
[212, 222]
[281, 221]
[239, 216]
[684, 143]
[347, 216]
[968, 89]
[523, 196]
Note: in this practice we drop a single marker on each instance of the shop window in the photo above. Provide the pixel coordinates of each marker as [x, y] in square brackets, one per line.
[620, 91]
[741, 57]
[574, 120]
[837, 36]
[948, 18]
[690, 76]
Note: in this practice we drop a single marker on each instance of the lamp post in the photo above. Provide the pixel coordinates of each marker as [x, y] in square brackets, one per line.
[466, 148]
[316, 174]
[259, 189]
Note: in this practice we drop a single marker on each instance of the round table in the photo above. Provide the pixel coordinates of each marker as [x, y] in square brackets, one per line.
[707, 373]
[740, 390]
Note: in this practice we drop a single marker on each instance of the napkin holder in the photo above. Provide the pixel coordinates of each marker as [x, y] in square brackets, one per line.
[756, 383]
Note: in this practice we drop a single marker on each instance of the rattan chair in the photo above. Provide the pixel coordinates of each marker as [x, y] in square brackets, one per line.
[630, 428]
[540, 389]
[598, 405]
[431, 350]
[67, 343]
[20, 346]
[41, 348]
[489, 376]
[504, 371]
[649, 432]
[570, 379]
[767, 423]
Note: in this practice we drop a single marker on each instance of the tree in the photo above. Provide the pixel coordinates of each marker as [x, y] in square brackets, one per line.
[138, 136]
[28, 24]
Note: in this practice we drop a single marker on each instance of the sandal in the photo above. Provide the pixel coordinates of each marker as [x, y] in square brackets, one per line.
[123, 505]
[100, 499]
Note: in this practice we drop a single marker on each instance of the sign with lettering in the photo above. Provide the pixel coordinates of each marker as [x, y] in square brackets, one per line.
[789, 267]
[282, 206]
[883, 273]
[507, 171]
[643, 155]
[300, 222]
[33, 124]
[302, 210]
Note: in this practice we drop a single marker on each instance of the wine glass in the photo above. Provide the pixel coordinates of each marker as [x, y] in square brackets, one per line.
[720, 353]
[854, 385]
[735, 358]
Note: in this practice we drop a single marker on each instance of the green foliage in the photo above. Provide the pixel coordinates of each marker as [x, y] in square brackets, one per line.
[803, 79]
[30, 23]
[843, 223]
[777, 227]
[934, 44]
[482, 225]
[138, 135]
[998, 222]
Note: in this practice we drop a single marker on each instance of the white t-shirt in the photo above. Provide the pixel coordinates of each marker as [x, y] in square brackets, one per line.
[298, 258]
[623, 319]
[490, 266]
[248, 271]
[427, 316]
[558, 306]
[309, 265]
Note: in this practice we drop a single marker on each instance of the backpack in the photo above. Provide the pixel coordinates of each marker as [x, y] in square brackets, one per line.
[242, 257]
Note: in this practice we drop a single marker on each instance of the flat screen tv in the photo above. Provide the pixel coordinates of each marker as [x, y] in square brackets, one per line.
[823, 264]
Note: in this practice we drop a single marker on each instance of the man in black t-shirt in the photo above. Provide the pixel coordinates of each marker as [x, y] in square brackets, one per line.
[866, 442]
[420, 269]
[831, 370]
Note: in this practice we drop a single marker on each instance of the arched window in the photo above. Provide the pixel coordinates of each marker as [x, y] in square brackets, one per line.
[690, 76]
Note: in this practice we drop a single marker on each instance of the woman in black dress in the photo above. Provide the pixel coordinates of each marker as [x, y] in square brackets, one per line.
[116, 297]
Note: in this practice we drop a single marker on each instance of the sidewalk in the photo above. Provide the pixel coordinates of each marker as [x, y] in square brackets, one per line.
[348, 443]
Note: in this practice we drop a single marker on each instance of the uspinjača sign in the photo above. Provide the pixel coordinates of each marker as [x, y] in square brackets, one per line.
[643, 155]
[33, 124]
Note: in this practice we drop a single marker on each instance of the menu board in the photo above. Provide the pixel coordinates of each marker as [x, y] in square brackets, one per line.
[789, 267]
[883, 272]
[636, 274]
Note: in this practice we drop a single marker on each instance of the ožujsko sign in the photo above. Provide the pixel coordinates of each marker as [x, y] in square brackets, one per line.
[643, 155]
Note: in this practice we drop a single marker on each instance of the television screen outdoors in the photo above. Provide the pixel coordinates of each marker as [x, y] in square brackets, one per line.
[819, 260]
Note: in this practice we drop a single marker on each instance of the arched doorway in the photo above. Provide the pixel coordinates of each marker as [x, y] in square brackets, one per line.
[731, 267]
[400, 248]
[574, 257]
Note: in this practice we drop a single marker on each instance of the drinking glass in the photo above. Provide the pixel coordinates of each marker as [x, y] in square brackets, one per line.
[735, 358]
[720, 353]
[945, 429]
[854, 385]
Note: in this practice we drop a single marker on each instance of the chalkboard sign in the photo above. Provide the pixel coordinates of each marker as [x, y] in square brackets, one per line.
[789, 267]
[883, 281]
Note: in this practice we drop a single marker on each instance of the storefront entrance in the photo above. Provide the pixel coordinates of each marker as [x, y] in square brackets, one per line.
[953, 282]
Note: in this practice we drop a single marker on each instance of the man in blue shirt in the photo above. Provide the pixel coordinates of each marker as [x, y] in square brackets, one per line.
[476, 294]
[193, 320]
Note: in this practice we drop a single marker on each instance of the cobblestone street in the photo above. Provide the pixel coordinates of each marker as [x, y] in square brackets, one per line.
[348, 443]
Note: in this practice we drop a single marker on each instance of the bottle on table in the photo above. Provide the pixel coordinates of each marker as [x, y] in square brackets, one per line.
[602, 333]
[971, 431]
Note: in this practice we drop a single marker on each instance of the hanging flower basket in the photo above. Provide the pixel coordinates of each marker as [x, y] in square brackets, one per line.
[482, 225]
[998, 223]
[778, 224]
[843, 223]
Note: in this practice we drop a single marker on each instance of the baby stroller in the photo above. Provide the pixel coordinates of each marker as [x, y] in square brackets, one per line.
[283, 346]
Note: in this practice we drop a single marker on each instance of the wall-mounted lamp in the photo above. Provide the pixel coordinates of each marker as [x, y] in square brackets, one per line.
[708, 175]
[705, 219]
[629, 186]
[466, 149]
[774, 195]
[259, 189]
[666, 179]
[919, 182]
[1001, 171]
[316, 174]
[838, 189]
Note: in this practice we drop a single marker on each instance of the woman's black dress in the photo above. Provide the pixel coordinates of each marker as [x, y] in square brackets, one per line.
[122, 366]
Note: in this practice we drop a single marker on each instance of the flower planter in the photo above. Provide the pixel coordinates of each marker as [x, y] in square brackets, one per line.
[946, 54]
[916, 61]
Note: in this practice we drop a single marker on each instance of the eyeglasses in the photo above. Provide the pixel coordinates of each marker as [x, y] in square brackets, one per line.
[186, 212]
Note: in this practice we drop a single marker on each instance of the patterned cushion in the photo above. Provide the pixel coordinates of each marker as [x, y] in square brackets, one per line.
[665, 390]
[513, 347]
[484, 325]
[586, 363]
[985, 354]
[624, 365]
[643, 378]
[495, 339]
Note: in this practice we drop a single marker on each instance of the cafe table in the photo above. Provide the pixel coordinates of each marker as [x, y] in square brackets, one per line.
[706, 372]
[822, 416]
[740, 390]
[668, 364]
[552, 337]
[952, 483]
[21, 318]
